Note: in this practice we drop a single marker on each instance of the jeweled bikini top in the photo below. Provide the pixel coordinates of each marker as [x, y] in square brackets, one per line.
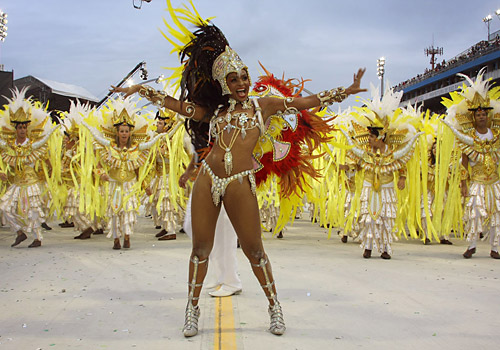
[238, 123]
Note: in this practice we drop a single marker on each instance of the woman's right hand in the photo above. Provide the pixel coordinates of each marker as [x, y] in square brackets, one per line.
[105, 177]
[3, 176]
[126, 90]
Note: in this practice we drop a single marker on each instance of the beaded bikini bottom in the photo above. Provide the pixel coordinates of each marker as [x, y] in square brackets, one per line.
[219, 184]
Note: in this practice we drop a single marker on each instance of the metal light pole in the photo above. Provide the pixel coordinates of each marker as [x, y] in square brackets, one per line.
[3, 26]
[3, 30]
[487, 20]
[380, 73]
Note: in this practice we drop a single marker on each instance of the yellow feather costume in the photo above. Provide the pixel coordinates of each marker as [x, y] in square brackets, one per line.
[481, 213]
[381, 207]
[27, 165]
[126, 167]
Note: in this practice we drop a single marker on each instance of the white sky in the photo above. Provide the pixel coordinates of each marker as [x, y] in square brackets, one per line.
[95, 43]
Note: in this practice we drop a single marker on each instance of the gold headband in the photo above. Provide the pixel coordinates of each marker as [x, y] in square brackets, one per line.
[123, 118]
[227, 62]
[20, 116]
[478, 102]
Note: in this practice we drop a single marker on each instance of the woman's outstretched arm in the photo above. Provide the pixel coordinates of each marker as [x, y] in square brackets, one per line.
[271, 105]
[162, 100]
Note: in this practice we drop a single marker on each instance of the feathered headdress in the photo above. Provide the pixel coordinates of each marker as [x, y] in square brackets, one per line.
[383, 115]
[476, 96]
[207, 58]
[423, 122]
[73, 119]
[19, 106]
[462, 104]
[22, 110]
[123, 112]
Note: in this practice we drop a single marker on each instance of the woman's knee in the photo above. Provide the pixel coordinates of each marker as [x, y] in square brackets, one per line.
[255, 254]
[201, 251]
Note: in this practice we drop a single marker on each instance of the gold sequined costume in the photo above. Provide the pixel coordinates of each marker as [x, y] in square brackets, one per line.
[482, 207]
[21, 204]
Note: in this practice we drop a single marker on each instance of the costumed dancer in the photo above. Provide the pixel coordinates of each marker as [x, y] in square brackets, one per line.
[71, 170]
[422, 170]
[123, 163]
[473, 116]
[350, 168]
[23, 143]
[215, 88]
[222, 276]
[382, 145]
[343, 211]
[270, 209]
[164, 213]
[330, 199]
[428, 213]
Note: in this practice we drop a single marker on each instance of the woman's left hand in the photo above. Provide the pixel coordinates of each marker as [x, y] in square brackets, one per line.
[356, 85]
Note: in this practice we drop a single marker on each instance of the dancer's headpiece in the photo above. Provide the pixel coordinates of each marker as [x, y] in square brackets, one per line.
[19, 107]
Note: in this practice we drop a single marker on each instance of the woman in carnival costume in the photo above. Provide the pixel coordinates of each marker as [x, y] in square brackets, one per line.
[473, 116]
[383, 142]
[350, 168]
[269, 209]
[123, 163]
[222, 275]
[23, 143]
[71, 171]
[161, 205]
[428, 212]
[215, 87]
[340, 210]
[422, 170]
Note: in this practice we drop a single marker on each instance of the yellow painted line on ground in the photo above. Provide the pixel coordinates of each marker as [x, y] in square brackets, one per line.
[225, 334]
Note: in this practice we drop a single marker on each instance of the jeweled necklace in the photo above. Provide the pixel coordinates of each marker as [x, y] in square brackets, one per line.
[228, 156]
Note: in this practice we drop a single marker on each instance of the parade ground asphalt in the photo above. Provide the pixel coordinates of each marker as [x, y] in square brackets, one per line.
[81, 294]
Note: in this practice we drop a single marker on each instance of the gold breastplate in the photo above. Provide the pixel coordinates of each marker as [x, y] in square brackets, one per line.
[122, 174]
[25, 177]
[484, 173]
[378, 179]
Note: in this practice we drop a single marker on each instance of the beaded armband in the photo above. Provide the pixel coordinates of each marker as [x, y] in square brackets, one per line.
[289, 110]
[155, 96]
[328, 97]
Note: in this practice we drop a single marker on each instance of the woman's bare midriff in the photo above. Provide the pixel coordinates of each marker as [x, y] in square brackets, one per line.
[241, 152]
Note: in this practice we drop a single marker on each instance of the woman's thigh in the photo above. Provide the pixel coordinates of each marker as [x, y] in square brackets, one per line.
[204, 213]
[243, 211]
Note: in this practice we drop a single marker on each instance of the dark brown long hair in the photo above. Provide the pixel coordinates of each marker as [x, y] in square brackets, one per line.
[197, 83]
